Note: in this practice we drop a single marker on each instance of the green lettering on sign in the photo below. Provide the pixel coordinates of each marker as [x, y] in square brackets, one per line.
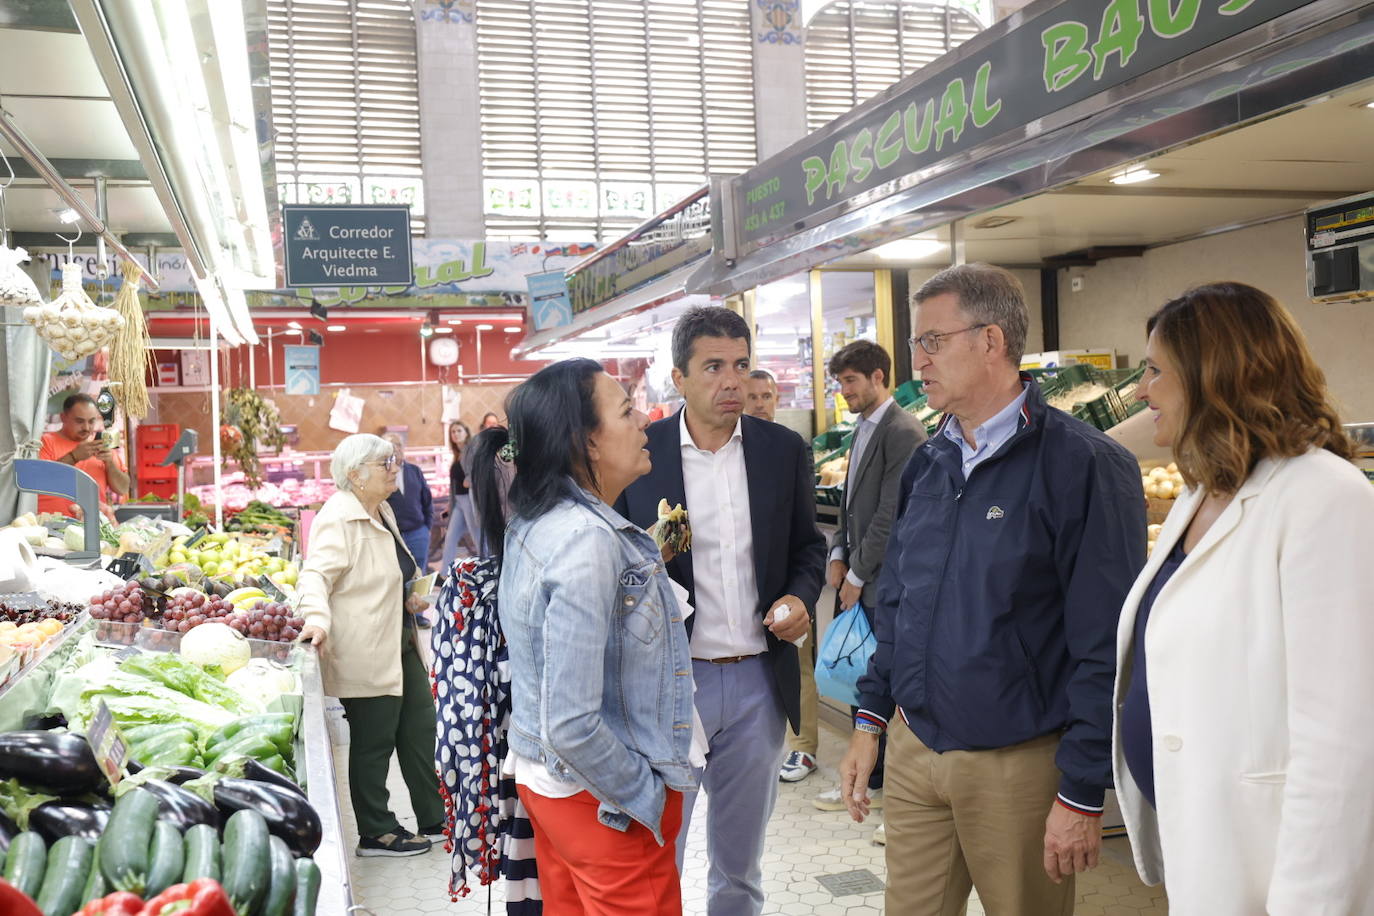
[919, 142]
[1066, 55]
[839, 169]
[953, 113]
[983, 113]
[858, 155]
[889, 147]
[1169, 22]
[814, 166]
[1122, 26]
[1234, 6]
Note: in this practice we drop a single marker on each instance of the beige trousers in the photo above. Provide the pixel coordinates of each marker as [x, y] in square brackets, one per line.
[966, 819]
[807, 740]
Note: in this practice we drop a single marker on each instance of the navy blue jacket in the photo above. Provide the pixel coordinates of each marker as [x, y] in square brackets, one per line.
[415, 507]
[999, 596]
[789, 551]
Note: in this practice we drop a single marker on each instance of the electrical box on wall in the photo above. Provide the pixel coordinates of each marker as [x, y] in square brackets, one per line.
[1340, 250]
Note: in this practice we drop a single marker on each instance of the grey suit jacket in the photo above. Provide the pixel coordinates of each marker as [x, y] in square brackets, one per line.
[866, 514]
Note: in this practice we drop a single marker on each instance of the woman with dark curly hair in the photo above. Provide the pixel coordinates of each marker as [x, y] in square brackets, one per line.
[1242, 744]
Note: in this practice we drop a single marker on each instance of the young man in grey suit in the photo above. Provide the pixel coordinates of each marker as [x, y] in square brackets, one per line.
[884, 440]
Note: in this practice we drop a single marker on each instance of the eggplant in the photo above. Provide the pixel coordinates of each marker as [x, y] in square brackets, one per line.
[44, 723]
[288, 815]
[178, 776]
[55, 819]
[254, 769]
[8, 831]
[181, 808]
[61, 762]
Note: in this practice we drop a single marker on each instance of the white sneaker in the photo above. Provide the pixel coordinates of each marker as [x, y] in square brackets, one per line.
[797, 767]
[880, 835]
[830, 800]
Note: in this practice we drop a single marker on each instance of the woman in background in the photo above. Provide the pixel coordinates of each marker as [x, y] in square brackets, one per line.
[459, 503]
[1242, 744]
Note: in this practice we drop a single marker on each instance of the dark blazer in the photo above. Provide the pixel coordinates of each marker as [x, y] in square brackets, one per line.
[866, 514]
[789, 551]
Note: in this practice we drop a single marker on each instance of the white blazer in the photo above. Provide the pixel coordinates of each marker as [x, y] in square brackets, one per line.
[1261, 686]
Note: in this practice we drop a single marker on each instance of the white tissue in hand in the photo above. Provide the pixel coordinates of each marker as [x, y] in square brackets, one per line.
[781, 613]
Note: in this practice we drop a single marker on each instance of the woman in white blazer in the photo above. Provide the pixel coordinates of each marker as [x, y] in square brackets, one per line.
[1243, 746]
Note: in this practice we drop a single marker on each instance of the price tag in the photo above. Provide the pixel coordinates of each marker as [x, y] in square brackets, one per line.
[126, 566]
[273, 592]
[197, 536]
[108, 744]
[157, 551]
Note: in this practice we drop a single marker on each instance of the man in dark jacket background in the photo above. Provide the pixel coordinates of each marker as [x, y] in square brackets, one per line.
[1019, 532]
[413, 504]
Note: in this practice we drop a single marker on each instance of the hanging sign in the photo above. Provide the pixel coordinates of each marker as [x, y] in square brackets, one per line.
[1069, 52]
[549, 303]
[302, 369]
[347, 244]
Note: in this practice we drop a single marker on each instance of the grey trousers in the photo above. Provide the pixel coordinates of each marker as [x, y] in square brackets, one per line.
[745, 724]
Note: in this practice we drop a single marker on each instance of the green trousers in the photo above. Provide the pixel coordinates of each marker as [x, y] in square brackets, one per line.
[404, 725]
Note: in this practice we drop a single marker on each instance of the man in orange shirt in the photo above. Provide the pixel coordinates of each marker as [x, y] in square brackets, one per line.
[78, 443]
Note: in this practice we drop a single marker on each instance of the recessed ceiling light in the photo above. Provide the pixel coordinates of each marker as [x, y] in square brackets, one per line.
[1369, 104]
[484, 327]
[294, 325]
[513, 330]
[994, 222]
[443, 330]
[909, 249]
[455, 321]
[336, 327]
[1134, 176]
[372, 330]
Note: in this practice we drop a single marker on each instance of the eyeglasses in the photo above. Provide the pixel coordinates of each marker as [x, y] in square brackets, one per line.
[930, 341]
[387, 463]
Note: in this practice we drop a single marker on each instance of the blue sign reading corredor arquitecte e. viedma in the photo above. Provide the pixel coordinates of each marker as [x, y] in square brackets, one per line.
[347, 245]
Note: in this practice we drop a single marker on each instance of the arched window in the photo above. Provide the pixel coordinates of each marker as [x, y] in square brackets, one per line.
[596, 114]
[857, 48]
[346, 103]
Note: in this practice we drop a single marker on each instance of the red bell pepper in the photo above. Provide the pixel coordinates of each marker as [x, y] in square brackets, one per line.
[120, 904]
[14, 902]
[202, 897]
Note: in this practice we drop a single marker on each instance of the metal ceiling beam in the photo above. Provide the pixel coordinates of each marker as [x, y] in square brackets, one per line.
[16, 137]
[77, 169]
[39, 15]
[1082, 190]
[44, 241]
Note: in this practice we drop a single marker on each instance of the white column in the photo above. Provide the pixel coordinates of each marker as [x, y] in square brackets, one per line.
[779, 75]
[450, 127]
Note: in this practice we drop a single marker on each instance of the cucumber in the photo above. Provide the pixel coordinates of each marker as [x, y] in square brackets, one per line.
[307, 887]
[281, 884]
[202, 853]
[26, 862]
[245, 861]
[95, 888]
[69, 862]
[126, 841]
[166, 859]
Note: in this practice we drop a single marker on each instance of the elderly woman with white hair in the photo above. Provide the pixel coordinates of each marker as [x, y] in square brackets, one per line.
[353, 599]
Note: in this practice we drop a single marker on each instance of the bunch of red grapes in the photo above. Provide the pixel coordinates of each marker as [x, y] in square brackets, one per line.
[127, 604]
[267, 620]
[187, 611]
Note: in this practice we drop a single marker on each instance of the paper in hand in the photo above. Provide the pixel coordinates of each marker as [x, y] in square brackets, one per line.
[781, 613]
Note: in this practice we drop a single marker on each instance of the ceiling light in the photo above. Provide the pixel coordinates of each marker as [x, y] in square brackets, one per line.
[443, 330]
[994, 222]
[317, 338]
[294, 325]
[484, 327]
[67, 215]
[337, 327]
[372, 330]
[1134, 176]
[319, 311]
[455, 321]
[514, 330]
[909, 249]
[426, 329]
[1369, 104]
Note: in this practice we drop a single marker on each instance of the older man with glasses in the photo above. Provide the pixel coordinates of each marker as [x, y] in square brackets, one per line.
[1019, 532]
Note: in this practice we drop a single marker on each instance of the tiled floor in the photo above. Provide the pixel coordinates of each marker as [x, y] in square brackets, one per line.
[803, 844]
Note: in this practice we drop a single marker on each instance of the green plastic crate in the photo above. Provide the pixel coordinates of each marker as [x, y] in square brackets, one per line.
[908, 393]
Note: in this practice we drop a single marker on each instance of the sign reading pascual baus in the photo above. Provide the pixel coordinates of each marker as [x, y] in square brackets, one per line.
[344, 244]
[1067, 53]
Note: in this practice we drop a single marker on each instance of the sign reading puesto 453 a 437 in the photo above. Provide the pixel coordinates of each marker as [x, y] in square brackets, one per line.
[1066, 54]
[347, 245]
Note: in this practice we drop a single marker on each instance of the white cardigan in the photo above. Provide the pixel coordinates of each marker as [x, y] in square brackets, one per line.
[1261, 683]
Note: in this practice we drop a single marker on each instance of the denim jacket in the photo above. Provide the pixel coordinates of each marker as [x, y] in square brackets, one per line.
[601, 673]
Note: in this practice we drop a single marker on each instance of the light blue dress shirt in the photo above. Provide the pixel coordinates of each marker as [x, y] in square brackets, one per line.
[990, 436]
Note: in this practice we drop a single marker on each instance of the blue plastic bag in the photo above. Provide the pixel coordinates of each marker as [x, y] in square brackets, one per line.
[844, 653]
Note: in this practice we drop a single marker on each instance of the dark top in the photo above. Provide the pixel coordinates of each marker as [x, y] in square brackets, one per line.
[457, 479]
[407, 573]
[1137, 734]
[414, 508]
[1000, 592]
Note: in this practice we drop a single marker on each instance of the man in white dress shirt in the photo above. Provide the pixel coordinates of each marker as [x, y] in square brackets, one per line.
[747, 488]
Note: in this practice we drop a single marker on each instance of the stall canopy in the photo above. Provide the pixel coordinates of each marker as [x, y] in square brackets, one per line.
[149, 111]
[609, 292]
[1060, 97]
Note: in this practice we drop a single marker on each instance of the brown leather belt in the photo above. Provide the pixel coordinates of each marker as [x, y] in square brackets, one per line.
[727, 660]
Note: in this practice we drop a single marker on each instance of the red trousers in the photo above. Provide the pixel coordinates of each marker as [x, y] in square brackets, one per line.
[589, 869]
